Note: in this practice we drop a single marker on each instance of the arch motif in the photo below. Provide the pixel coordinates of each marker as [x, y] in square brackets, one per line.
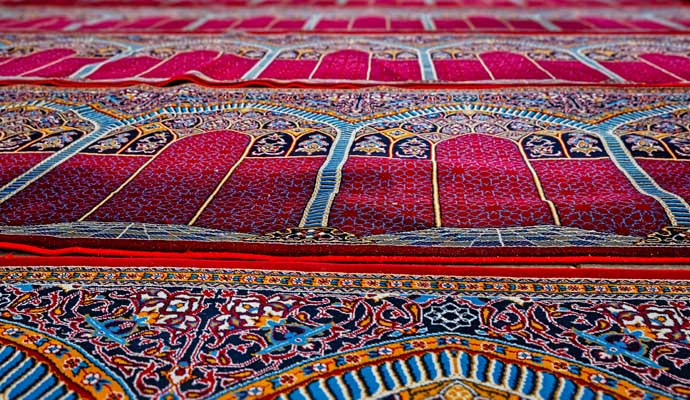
[459, 364]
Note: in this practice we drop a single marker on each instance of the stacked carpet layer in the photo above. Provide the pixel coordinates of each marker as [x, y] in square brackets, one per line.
[311, 199]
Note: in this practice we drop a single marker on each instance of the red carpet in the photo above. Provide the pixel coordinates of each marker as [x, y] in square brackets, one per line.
[312, 199]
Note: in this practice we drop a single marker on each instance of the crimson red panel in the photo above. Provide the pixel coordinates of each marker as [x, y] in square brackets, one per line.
[263, 195]
[484, 182]
[127, 67]
[676, 64]
[175, 24]
[181, 63]
[487, 23]
[505, 65]
[395, 70]
[382, 195]
[216, 25]
[572, 71]
[369, 23]
[460, 70]
[595, 195]
[571, 25]
[344, 64]
[289, 24]
[636, 71]
[289, 69]
[143, 23]
[69, 191]
[673, 176]
[451, 24]
[332, 24]
[407, 25]
[14, 164]
[20, 65]
[227, 67]
[64, 68]
[526, 24]
[255, 23]
[172, 188]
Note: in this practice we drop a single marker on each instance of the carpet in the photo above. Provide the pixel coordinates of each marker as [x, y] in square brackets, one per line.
[344, 199]
[86, 332]
[595, 173]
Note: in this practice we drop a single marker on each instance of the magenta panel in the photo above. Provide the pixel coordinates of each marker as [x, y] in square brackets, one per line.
[571, 25]
[344, 64]
[572, 71]
[64, 68]
[263, 195]
[20, 65]
[383, 195]
[675, 64]
[595, 195]
[526, 24]
[216, 25]
[407, 25]
[636, 71]
[505, 65]
[181, 63]
[255, 23]
[227, 67]
[365, 23]
[142, 23]
[451, 24]
[395, 70]
[289, 24]
[172, 188]
[485, 182]
[69, 191]
[487, 23]
[175, 24]
[460, 70]
[289, 69]
[127, 67]
[332, 24]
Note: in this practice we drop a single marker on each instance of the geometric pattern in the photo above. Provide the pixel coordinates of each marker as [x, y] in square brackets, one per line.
[233, 334]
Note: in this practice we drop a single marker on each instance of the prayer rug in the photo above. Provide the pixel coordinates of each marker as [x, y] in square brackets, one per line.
[344, 199]
[550, 172]
[141, 333]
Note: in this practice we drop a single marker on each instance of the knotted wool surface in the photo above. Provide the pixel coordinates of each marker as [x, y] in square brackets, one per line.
[312, 199]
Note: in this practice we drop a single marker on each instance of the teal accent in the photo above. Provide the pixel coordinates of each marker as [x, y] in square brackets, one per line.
[40, 391]
[399, 370]
[414, 368]
[6, 367]
[316, 391]
[385, 373]
[336, 388]
[16, 373]
[513, 376]
[430, 366]
[465, 364]
[297, 395]
[57, 393]
[528, 386]
[568, 390]
[497, 372]
[371, 384]
[446, 363]
[481, 368]
[353, 386]
[548, 385]
[28, 380]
